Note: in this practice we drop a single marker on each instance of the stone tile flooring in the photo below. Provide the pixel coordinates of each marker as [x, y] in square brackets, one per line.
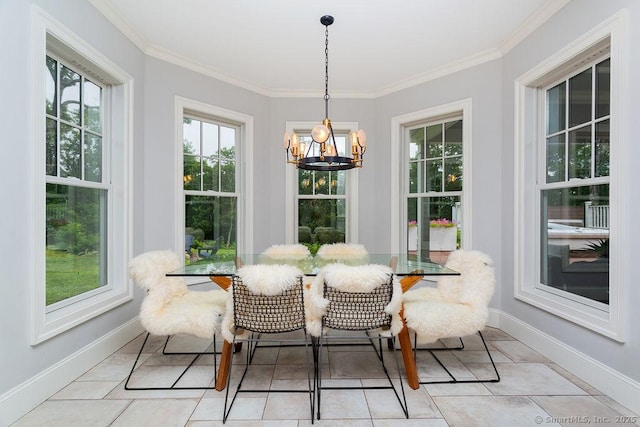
[533, 391]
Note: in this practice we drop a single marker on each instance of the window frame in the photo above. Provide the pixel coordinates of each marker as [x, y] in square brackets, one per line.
[194, 115]
[244, 168]
[291, 185]
[400, 125]
[81, 182]
[529, 118]
[567, 182]
[51, 37]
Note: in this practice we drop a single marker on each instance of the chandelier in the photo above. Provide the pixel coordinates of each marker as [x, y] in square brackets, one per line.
[330, 158]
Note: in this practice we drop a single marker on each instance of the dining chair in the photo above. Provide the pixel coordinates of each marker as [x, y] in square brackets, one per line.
[342, 252]
[266, 305]
[456, 308]
[286, 252]
[365, 300]
[209, 249]
[170, 308]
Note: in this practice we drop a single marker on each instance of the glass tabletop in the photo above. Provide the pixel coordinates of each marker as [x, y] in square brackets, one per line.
[402, 264]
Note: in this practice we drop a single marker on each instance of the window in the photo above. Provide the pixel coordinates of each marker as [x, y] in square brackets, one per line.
[430, 155]
[80, 105]
[213, 149]
[574, 191]
[209, 178]
[435, 179]
[321, 200]
[324, 203]
[76, 195]
[569, 146]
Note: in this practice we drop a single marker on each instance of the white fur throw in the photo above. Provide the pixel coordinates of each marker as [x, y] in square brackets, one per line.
[169, 307]
[263, 280]
[196, 313]
[362, 278]
[342, 251]
[297, 251]
[459, 304]
[269, 279]
[149, 271]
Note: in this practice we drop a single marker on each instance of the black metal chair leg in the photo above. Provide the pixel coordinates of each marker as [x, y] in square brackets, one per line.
[453, 379]
[173, 385]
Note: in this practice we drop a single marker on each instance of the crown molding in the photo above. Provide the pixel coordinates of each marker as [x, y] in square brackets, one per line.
[450, 68]
[536, 20]
[335, 94]
[444, 70]
[190, 64]
[116, 19]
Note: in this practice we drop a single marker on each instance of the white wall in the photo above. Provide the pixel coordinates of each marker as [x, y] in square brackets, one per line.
[20, 361]
[490, 86]
[163, 82]
[482, 84]
[574, 20]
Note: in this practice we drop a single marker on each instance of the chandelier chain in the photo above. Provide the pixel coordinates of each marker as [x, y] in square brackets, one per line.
[326, 65]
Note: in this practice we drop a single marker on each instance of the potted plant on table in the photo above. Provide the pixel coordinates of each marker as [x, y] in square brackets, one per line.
[443, 235]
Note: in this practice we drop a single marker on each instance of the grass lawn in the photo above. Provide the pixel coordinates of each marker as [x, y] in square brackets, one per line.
[69, 275]
[226, 254]
[223, 254]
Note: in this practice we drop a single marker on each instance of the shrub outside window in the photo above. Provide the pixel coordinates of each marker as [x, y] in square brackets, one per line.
[322, 207]
[209, 182]
[76, 195]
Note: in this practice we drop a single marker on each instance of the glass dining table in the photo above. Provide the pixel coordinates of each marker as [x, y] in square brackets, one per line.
[409, 268]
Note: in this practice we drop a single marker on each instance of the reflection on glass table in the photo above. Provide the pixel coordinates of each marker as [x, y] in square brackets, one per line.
[410, 267]
[402, 264]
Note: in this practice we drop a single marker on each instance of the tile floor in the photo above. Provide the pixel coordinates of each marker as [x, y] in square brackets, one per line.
[533, 392]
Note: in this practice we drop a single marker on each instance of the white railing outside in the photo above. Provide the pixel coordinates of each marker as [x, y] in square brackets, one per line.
[456, 214]
[596, 216]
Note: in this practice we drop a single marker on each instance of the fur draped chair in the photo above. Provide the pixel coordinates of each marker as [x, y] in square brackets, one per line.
[267, 303]
[170, 308]
[455, 308]
[363, 298]
[287, 252]
[342, 251]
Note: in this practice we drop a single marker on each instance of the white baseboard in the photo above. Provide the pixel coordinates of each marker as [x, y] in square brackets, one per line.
[617, 386]
[18, 401]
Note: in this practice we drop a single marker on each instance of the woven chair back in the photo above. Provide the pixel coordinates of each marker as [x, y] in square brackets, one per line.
[358, 311]
[279, 313]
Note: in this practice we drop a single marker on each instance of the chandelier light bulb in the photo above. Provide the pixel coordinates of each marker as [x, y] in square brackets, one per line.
[353, 138]
[362, 138]
[320, 133]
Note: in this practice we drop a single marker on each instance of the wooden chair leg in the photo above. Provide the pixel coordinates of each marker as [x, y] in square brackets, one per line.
[223, 368]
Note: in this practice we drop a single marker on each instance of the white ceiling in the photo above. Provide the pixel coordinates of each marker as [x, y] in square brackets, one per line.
[276, 47]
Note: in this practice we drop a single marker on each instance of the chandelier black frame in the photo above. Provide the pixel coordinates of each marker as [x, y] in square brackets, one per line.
[322, 134]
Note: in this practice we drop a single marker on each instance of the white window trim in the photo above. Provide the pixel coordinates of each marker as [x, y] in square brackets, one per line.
[119, 290]
[608, 323]
[291, 189]
[399, 175]
[244, 168]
